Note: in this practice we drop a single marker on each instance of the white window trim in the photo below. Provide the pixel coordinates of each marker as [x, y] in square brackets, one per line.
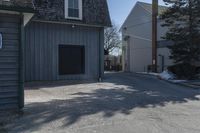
[80, 11]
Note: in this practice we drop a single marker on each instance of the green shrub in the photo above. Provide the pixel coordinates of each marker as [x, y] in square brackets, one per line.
[184, 71]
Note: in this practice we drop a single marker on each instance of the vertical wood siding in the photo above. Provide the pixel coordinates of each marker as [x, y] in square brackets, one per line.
[9, 65]
[41, 50]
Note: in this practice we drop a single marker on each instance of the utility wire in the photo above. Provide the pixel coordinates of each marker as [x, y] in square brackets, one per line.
[131, 26]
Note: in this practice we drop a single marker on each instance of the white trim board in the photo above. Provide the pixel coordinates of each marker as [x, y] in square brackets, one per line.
[80, 10]
[69, 23]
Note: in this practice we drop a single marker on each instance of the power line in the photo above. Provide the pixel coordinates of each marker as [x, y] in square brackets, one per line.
[131, 26]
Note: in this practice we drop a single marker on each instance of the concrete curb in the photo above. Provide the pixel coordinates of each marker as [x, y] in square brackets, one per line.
[185, 84]
[191, 86]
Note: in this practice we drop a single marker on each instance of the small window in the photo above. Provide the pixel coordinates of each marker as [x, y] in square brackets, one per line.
[73, 9]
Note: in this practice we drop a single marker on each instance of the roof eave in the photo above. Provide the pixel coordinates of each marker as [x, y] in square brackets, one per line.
[17, 9]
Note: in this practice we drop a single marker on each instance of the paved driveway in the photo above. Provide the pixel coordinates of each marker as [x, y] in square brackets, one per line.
[123, 103]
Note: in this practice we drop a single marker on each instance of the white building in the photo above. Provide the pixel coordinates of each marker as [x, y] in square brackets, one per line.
[137, 40]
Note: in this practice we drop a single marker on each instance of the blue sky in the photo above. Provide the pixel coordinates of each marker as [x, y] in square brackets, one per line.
[119, 9]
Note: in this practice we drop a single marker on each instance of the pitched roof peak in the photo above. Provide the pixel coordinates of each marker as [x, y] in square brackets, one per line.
[148, 7]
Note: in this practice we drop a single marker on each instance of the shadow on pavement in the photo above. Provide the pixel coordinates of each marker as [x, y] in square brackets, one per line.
[130, 91]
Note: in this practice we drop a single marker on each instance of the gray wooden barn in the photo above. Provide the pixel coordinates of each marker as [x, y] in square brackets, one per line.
[48, 40]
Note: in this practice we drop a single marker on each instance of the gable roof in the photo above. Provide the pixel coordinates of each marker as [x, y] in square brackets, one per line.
[17, 5]
[95, 12]
[148, 7]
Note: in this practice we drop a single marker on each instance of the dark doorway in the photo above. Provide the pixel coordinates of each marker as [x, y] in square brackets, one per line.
[71, 59]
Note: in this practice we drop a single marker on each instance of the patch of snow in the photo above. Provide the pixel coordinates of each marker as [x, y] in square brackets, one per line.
[149, 73]
[178, 81]
[166, 75]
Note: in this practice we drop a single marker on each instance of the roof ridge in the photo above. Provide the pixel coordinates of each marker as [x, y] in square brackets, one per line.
[148, 7]
[150, 4]
[141, 4]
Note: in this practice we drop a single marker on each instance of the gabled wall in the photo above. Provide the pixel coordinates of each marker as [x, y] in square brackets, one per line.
[137, 49]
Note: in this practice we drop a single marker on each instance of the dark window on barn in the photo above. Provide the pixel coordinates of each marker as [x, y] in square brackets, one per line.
[71, 59]
[73, 9]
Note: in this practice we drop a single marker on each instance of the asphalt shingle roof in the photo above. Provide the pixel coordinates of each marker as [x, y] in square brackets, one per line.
[95, 12]
[17, 3]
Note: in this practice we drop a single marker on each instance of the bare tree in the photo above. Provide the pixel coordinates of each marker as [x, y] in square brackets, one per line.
[112, 39]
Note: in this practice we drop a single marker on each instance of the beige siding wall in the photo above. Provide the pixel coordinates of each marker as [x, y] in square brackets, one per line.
[137, 49]
[140, 55]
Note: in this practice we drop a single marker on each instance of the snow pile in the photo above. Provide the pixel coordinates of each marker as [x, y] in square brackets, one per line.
[178, 81]
[167, 75]
[149, 73]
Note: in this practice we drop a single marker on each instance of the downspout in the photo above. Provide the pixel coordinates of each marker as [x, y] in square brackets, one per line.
[101, 54]
[21, 64]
